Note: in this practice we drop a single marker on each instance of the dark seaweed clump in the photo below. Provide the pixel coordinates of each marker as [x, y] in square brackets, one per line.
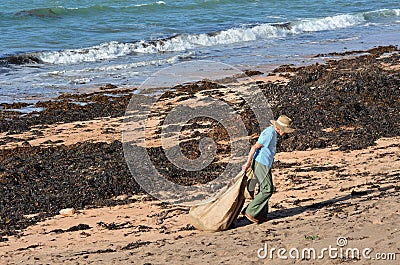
[65, 108]
[349, 103]
[46, 180]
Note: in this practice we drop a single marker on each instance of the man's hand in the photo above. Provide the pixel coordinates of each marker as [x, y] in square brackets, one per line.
[250, 156]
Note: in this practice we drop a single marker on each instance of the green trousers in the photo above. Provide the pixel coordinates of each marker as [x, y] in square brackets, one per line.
[258, 207]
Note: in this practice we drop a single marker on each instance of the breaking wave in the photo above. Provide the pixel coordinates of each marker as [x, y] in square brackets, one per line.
[187, 42]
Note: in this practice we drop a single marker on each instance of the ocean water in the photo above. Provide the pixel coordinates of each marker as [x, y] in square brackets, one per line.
[48, 47]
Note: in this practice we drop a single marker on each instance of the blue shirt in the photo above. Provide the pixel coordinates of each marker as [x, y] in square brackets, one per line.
[265, 154]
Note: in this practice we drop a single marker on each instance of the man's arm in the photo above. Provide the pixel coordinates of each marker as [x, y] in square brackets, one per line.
[250, 156]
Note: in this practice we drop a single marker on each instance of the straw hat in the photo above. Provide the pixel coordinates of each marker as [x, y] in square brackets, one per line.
[283, 123]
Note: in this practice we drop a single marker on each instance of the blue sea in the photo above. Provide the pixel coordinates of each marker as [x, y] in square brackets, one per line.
[48, 47]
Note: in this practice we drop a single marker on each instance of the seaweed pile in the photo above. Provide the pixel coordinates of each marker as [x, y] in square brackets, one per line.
[65, 108]
[196, 129]
[349, 103]
[42, 181]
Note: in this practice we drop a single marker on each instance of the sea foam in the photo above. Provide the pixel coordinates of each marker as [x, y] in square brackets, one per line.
[187, 42]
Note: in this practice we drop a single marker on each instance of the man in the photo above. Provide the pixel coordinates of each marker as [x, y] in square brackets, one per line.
[261, 158]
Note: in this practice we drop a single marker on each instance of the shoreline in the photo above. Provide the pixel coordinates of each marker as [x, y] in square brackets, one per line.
[266, 70]
[74, 147]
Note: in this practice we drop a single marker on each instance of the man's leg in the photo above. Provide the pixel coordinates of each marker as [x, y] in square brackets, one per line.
[258, 208]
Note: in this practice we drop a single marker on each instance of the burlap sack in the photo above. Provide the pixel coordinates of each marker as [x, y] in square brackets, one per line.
[220, 213]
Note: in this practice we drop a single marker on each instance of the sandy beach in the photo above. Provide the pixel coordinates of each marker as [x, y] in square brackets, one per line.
[337, 192]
